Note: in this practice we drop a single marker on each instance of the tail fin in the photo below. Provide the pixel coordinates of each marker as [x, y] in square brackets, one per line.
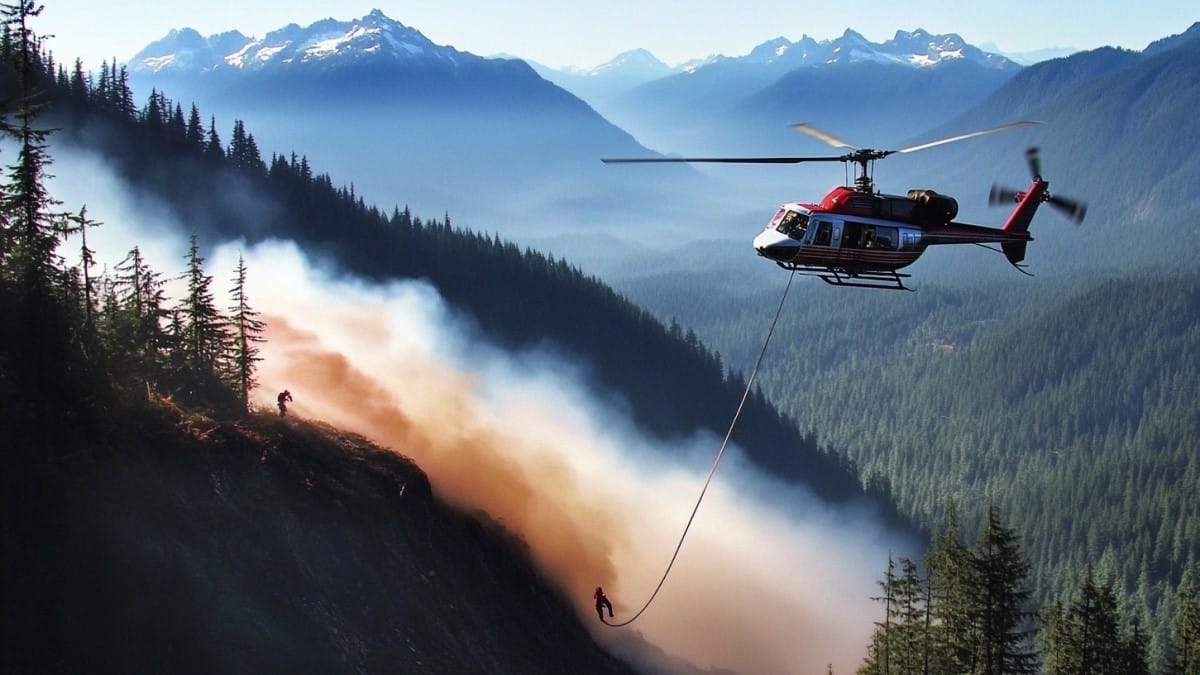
[1014, 251]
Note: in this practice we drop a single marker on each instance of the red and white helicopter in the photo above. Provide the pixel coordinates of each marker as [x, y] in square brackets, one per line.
[856, 236]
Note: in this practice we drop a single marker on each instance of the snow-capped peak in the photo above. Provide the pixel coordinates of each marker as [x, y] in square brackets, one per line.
[917, 48]
[374, 36]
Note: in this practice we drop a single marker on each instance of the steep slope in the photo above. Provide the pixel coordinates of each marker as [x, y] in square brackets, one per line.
[184, 544]
[673, 385]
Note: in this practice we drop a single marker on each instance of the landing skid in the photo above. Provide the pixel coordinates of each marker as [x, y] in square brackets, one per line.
[888, 281]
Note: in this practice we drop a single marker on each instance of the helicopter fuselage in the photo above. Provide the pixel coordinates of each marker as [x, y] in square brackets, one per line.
[858, 237]
[844, 240]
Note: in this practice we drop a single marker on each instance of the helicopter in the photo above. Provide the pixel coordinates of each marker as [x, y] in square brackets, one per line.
[856, 236]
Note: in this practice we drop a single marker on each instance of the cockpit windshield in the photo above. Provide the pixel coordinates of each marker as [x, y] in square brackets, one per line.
[791, 223]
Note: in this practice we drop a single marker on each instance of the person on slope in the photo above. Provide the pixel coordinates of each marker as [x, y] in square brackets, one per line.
[601, 603]
[282, 400]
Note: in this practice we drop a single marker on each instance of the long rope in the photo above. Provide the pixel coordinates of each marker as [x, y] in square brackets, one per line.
[716, 461]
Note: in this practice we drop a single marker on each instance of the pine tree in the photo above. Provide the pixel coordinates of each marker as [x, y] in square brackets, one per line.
[177, 126]
[195, 129]
[247, 334]
[1135, 648]
[32, 230]
[212, 146]
[237, 145]
[122, 95]
[1092, 639]
[80, 83]
[204, 338]
[87, 261]
[879, 652]
[999, 613]
[1185, 639]
[910, 654]
[951, 579]
[136, 320]
[1056, 639]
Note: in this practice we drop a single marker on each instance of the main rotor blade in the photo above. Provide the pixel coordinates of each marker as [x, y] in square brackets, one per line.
[823, 136]
[973, 134]
[1075, 210]
[723, 160]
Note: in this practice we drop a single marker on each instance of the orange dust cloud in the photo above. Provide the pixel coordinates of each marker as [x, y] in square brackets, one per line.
[537, 498]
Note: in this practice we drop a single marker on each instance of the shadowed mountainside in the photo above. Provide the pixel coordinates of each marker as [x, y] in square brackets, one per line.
[189, 545]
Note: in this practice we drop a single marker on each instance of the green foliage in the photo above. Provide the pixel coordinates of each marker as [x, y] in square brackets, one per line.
[1086, 636]
[247, 334]
[1068, 402]
[1185, 638]
[999, 612]
[967, 616]
[75, 346]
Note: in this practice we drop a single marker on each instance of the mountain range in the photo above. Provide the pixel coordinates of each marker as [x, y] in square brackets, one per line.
[601, 84]
[502, 148]
[377, 103]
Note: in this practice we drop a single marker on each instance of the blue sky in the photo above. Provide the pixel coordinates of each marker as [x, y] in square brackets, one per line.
[589, 32]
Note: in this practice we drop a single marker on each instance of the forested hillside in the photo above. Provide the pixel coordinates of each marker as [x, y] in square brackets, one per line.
[1069, 403]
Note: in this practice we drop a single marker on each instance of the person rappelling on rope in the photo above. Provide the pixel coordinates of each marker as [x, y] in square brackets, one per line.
[282, 399]
[601, 603]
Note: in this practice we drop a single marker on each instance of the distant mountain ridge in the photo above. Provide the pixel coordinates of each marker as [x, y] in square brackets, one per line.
[917, 48]
[384, 107]
[374, 37]
[604, 85]
[744, 105]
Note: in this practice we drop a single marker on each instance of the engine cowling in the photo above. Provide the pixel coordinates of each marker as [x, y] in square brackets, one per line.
[933, 207]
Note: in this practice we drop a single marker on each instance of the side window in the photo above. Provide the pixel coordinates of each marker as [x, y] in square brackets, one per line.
[885, 238]
[824, 233]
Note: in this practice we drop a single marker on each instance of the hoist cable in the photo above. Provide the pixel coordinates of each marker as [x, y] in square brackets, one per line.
[716, 461]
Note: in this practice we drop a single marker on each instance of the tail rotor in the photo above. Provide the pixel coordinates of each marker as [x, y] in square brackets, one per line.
[1073, 209]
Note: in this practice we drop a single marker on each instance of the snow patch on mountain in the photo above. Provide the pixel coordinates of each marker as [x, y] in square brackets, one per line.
[374, 36]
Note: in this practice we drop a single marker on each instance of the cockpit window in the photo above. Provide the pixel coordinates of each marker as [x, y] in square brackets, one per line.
[792, 224]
